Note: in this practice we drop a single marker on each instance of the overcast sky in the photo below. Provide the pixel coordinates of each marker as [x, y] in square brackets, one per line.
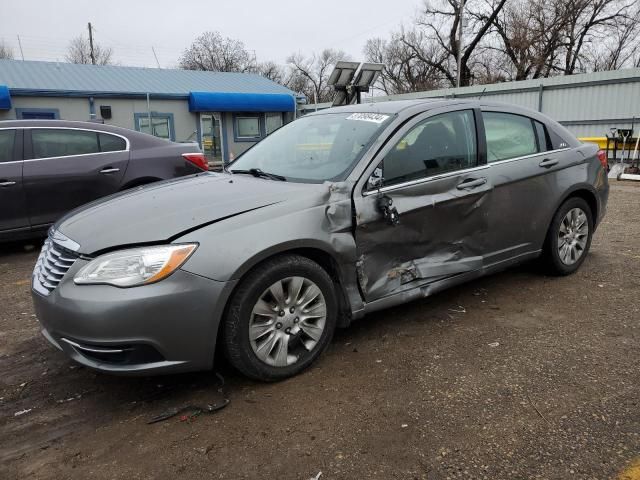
[274, 28]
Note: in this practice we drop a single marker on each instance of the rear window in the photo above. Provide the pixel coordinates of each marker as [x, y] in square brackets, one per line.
[62, 142]
[111, 143]
[7, 140]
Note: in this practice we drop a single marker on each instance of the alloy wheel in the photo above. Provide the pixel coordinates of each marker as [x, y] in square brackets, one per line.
[287, 321]
[572, 236]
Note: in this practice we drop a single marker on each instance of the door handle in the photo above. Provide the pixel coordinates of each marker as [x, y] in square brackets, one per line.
[548, 162]
[6, 183]
[109, 170]
[472, 183]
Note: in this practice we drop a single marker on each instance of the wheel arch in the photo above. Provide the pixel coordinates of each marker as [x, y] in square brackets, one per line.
[587, 193]
[315, 251]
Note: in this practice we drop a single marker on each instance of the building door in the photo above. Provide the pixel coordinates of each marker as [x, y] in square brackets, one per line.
[211, 138]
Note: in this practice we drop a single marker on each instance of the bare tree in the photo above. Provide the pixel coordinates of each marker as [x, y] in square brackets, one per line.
[409, 66]
[440, 22]
[213, 52]
[272, 71]
[6, 51]
[79, 51]
[309, 75]
[530, 34]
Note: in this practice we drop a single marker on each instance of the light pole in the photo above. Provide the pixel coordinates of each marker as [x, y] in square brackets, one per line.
[459, 73]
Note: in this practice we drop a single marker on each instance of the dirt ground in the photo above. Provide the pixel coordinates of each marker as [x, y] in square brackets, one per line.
[517, 375]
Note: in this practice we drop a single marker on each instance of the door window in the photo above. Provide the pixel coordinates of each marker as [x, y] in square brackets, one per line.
[60, 142]
[439, 144]
[509, 136]
[7, 139]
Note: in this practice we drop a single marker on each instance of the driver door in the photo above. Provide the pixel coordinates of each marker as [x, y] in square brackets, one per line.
[421, 207]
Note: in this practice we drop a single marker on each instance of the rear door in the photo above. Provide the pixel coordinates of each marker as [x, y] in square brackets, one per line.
[524, 167]
[13, 210]
[66, 168]
[432, 173]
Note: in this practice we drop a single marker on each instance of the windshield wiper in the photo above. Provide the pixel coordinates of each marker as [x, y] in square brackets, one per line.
[256, 172]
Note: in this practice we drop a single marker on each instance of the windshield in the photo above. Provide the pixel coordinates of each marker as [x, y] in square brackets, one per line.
[314, 148]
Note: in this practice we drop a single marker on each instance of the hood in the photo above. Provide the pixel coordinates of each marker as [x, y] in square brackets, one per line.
[162, 211]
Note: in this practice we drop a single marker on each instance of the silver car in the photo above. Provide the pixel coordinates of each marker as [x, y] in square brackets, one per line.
[338, 214]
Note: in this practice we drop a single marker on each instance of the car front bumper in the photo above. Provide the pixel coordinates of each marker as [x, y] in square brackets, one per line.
[166, 327]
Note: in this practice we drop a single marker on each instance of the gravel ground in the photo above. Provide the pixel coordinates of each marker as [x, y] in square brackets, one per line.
[517, 375]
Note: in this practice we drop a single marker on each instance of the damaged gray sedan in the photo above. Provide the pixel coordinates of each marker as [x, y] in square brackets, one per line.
[338, 214]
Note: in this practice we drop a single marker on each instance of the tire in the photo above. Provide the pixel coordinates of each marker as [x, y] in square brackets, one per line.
[566, 261]
[254, 308]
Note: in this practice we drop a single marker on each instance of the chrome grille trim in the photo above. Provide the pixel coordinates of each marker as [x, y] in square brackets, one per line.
[52, 265]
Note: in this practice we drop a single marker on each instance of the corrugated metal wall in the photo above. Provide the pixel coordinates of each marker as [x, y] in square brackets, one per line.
[587, 104]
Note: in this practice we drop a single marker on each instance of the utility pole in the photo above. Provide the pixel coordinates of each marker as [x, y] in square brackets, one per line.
[93, 57]
[20, 44]
[460, 26]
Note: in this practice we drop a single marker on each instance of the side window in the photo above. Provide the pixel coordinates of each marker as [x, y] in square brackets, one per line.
[111, 143]
[509, 136]
[7, 139]
[60, 142]
[439, 144]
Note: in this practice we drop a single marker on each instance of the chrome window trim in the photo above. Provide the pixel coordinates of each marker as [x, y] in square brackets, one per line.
[524, 157]
[418, 181]
[127, 143]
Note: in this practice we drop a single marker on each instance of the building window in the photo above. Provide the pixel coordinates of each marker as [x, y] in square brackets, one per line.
[272, 121]
[247, 128]
[37, 113]
[161, 124]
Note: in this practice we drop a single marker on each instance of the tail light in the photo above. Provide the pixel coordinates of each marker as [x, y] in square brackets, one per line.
[602, 156]
[198, 159]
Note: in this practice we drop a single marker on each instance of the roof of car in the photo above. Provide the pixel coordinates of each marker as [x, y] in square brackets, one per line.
[136, 139]
[394, 106]
[65, 124]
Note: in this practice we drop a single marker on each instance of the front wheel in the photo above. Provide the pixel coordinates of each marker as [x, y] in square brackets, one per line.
[280, 319]
[569, 237]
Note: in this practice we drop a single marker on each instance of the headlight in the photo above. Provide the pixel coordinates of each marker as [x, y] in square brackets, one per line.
[135, 266]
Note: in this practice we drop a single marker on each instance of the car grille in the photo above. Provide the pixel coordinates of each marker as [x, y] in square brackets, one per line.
[53, 262]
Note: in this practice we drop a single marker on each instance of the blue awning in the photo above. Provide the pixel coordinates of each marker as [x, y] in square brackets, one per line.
[5, 98]
[241, 102]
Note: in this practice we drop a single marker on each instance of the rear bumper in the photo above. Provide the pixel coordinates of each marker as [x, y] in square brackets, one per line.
[167, 327]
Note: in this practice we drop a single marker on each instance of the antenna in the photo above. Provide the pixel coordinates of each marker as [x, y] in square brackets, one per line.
[155, 56]
[483, 90]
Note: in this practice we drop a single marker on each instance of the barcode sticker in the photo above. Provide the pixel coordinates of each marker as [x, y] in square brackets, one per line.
[368, 117]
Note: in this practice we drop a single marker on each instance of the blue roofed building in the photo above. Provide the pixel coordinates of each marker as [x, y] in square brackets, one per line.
[224, 112]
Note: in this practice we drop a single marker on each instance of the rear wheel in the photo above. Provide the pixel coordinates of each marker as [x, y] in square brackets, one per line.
[280, 319]
[569, 237]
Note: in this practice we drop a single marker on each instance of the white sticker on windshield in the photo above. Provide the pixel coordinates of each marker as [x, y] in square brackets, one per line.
[368, 117]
